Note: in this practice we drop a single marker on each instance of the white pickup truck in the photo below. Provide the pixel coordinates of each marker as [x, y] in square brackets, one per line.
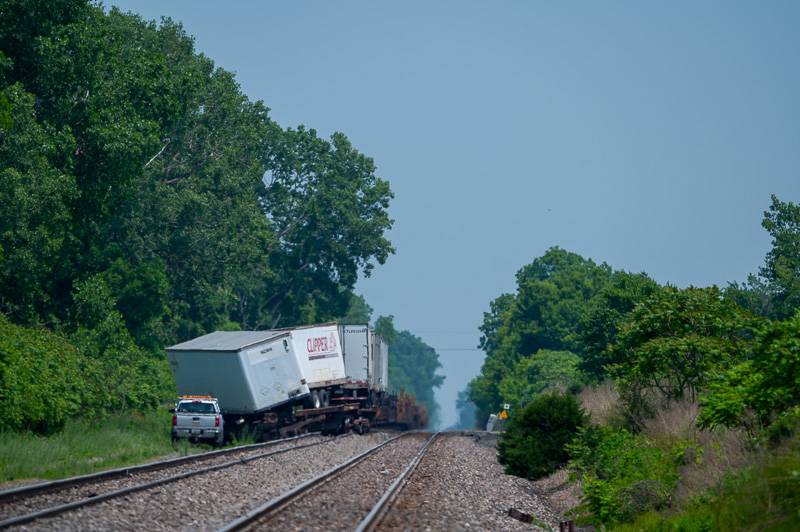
[198, 417]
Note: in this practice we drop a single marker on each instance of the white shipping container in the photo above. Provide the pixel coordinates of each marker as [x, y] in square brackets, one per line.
[319, 353]
[248, 371]
[356, 349]
[379, 362]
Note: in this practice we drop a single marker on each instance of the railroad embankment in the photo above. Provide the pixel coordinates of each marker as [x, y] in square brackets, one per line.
[379, 481]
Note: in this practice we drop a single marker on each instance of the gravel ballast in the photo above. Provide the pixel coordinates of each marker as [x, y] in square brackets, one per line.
[459, 485]
[210, 500]
[342, 502]
[29, 504]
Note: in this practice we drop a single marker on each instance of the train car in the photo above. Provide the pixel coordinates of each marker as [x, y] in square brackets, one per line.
[280, 382]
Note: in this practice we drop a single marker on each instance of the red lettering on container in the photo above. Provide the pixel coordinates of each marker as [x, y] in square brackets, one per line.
[314, 345]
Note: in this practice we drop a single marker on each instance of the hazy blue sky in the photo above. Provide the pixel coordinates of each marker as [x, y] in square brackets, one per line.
[646, 136]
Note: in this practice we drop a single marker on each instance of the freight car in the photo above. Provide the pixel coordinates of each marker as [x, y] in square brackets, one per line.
[280, 382]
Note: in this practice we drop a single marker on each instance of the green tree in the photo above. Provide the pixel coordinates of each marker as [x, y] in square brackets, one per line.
[673, 342]
[35, 215]
[599, 324]
[782, 267]
[759, 390]
[329, 210]
[358, 311]
[544, 371]
[544, 313]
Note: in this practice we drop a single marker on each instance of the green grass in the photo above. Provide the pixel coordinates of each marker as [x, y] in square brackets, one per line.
[765, 497]
[86, 446]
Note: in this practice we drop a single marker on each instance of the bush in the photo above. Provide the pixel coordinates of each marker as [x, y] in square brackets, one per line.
[764, 497]
[622, 474]
[534, 445]
[40, 379]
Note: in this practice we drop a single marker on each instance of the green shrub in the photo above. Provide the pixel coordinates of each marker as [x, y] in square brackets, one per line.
[40, 380]
[622, 474]
[534, 444]
[764, 497]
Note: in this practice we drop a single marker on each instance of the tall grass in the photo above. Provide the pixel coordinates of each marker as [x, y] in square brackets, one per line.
[765, 496]
[86, 446]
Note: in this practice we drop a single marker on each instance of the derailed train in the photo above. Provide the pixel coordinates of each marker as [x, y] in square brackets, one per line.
[275, 383]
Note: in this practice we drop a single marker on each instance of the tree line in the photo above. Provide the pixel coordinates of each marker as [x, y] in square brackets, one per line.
[573, 321]
[146, 200]
[732, 354]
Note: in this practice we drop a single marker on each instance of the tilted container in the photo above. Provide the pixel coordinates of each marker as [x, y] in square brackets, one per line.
[248, 371]
[319, 353]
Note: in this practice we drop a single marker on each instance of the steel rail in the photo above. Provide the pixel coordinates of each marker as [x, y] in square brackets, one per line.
[384, 504]
[54, 485]
[278, 503]
[62, 508]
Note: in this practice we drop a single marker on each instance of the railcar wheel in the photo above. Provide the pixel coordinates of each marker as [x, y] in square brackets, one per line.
[324, 398]
[315, 401]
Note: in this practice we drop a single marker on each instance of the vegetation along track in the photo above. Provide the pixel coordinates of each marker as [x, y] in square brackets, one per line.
[350, 495]
[25, 504]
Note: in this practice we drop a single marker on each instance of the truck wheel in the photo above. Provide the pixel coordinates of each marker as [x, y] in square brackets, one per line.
[324, 398]
[219, 441]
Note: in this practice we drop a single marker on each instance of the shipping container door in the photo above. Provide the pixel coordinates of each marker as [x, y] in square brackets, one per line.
[355, 345]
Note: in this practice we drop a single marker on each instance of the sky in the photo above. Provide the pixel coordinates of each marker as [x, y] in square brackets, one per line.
[648, 136]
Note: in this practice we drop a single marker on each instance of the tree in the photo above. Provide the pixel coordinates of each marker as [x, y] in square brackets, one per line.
[552, 293]
[544, 371]
[35, 198]
[782, 267]
[329, 210]
[358, 311]
[40, 379]
[599, 324]
[135, 171]
[762, 388]
[672, 342]
[466, 411]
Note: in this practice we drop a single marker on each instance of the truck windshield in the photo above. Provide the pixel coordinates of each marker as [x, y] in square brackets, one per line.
[196, 407]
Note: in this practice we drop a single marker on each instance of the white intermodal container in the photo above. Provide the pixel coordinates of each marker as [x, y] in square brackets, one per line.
[253, 371]
[356, 351]
[248, 371]
[319, 353]
[366, 356]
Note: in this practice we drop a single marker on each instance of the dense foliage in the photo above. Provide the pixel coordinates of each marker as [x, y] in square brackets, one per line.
[621, 475]
[563, 303]
[145, 200]
[545, 371]
[40, 378]
[534, 443]
[757, 391]
[662, 350]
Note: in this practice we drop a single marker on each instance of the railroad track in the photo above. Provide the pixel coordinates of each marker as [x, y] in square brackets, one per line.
[25, 504]
[356, 494]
